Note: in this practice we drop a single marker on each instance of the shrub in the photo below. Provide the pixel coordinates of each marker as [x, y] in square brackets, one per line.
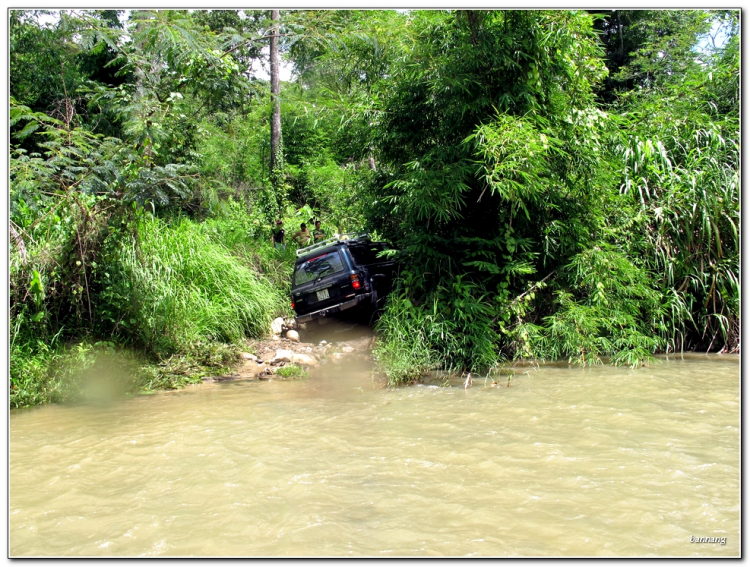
[179, 287]
[403, 348]
[291, 371]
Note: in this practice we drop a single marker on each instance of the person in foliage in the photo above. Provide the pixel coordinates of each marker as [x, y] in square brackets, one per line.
[318, 233]
[302, 237]
[277, 237]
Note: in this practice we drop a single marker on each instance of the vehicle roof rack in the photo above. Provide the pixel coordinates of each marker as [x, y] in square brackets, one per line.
[335, 239]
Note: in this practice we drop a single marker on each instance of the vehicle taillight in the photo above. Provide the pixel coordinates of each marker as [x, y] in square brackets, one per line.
[355, 281]
[292, 304]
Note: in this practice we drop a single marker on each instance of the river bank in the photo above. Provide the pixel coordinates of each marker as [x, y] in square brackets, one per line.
[276, 354]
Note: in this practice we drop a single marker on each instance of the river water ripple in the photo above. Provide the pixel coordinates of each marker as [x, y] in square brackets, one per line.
[565, 462]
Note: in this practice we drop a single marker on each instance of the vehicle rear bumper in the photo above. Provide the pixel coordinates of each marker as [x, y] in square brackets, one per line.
[365, 297]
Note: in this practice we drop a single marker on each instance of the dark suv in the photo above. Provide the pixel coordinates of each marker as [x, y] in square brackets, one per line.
[338, 274]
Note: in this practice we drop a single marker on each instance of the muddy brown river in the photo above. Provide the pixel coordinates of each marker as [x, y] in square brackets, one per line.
[565, 462]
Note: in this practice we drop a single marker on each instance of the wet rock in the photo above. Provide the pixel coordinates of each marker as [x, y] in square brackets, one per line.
[277, 325]
[347, 349]
[266, 357]
[282, 355]
[292, 336]
[337, 357]
[290, 323]
[304, 359]
[265, 374]
[248, 356]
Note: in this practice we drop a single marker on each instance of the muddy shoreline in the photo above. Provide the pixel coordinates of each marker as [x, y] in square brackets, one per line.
[263, 358]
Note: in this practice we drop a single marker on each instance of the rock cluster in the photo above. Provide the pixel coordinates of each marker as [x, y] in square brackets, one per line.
[284, 328]
[284, 347]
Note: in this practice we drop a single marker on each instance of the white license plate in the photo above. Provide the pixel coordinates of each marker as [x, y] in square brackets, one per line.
[323, 294]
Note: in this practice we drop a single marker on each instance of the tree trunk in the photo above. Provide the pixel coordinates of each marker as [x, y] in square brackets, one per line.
[275, 91]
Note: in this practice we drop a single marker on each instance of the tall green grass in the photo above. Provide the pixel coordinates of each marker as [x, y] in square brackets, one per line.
[403, 350]
[242, 228]
[414, 339]
[170, 293]
[182, 287]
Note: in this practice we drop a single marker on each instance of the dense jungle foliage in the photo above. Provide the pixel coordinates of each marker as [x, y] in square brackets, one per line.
[560, 184]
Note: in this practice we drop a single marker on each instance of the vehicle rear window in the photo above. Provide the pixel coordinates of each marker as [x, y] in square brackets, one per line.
[318, 267]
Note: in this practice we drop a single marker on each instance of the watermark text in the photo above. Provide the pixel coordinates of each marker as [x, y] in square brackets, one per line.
[721, 540]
